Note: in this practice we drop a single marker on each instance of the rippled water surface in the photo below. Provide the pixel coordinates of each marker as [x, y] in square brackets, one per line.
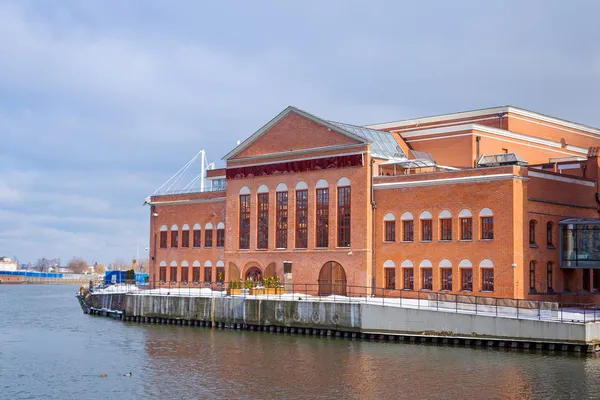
[50, 350]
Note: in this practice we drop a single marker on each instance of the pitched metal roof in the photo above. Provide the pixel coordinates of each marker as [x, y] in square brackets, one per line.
[500, 159]
[383, 144]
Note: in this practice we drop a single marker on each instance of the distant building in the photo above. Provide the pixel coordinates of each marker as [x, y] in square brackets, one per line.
[499, 202]
[8, 264]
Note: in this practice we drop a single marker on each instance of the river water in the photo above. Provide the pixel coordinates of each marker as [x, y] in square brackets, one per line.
[50, 350]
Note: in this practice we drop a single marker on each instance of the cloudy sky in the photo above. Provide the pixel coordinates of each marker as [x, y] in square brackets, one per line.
[102, 101]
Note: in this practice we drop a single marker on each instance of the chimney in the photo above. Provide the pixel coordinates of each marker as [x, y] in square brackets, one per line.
[592, 166]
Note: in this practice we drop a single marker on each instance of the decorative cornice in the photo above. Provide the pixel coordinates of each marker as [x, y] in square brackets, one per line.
[184, 202]
[449, 181]
[559, 178]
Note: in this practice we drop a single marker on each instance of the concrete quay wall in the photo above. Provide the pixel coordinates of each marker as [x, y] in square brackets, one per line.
[367, 320]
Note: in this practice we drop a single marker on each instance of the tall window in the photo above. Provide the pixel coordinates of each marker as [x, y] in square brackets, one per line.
[532, 233]
[323, 217]
[220, 274]
[208, 274]
[163, 239]
[409, 275]
[466, 279]
[197, 237]
[549, 276]
[427, 283]
[208, 234]
[408, 230]
[185, 271]
[220, 237]
[447, 279]
[487, 279]
[162, 274]
[532, 276]
[549, 235]
[196, 274]
[245, 221]
[586, 279]
[301, 219]
[390, 231]
[173, 274]
[595, 277]
[487, 228]
[390, 278]
[185, 236]
[263, 221]
[446, 228]
[174, 236]
[466, 228]
[344, 216]
[282, 220]
[426, 230]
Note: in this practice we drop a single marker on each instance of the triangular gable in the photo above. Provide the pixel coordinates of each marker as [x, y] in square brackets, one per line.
[269, 137]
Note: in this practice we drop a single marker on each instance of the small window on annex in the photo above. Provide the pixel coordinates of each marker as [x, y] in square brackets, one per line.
[426, 226]
[532, 225]
[163, 237]
[427, 275]
[487, 224]
[465, 219]
[408, 273]
[390, 274]
[407, 227]
[446, 274]
[487, 275]
[445, 225]
[466, 275]
[389, 222]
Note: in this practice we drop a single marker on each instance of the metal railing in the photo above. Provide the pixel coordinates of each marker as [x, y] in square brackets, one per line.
[461, 303]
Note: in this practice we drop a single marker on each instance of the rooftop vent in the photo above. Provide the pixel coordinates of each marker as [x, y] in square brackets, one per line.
[497, 160]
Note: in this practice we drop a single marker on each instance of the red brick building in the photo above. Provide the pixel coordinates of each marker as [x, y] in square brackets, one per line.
[499, 202]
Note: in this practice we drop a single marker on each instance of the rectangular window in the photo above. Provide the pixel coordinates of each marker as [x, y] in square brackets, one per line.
[390, 278]
[197, 238]
[282, 220]
[220, 237]
[262, 229]
[173, 274]
[466, 279]
[409, 278]
[220, 274]
[487, 228]
[426, 230]
[390, 231]
[185, 238]
[408, 231]
[174, 238]
[532, 233]
[549, 241]
[162, 273]
[185, 274]
[447, 279]
[466, 228]
[245, 221]
[487, 279]
[301, 219]
[344, 216]
[196, 273]
[446, 228]
[532, 276]
[163, 239]
[427, 278]
[207, 274]
[208, 238]
[322, 217]
[549, 276]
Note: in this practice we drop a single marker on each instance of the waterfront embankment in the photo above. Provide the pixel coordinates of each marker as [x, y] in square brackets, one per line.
[343, 317]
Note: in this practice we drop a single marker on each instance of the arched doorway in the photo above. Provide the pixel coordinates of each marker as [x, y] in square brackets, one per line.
[254, 273]
[332, 279]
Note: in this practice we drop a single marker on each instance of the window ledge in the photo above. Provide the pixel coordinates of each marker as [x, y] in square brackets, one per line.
[407, 241]
[487, 291]
[533, 245]
[426, 241]
[550, 247]
[389, 241]
[465, 240]
[487, 240]
[281, 248]
[446, 241]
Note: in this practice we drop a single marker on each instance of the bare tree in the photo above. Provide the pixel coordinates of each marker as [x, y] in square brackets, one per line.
[99, 268]
[42, 264]
[78, 265]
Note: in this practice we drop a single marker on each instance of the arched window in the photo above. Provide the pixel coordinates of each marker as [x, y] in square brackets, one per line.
[208, 272]
[427, 275]
[220, 271]
[163, 237]
[220, 234]
[208, 235]
[196, 271]
[487, 275]
[445, 225]
[162, 271]
[322, 210]
[549, 275]
[549, 235]
[390, 274]
[197, 235]
[185, 235]
[466, 224]
[487, 224]
[532, 276]
[532, 224]
[408, 272]
[301, 238]
[426, 226]
[344, 205]
[466, 275]
[302, 185]
[174, 236]
[244, 228]
[173, 272]
[262, 228]
[407, 227]
[446, 268]
[281, 217]
[389, 222]
[185, 271]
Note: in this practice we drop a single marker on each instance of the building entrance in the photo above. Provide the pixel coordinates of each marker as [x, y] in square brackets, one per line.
[332, 279]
